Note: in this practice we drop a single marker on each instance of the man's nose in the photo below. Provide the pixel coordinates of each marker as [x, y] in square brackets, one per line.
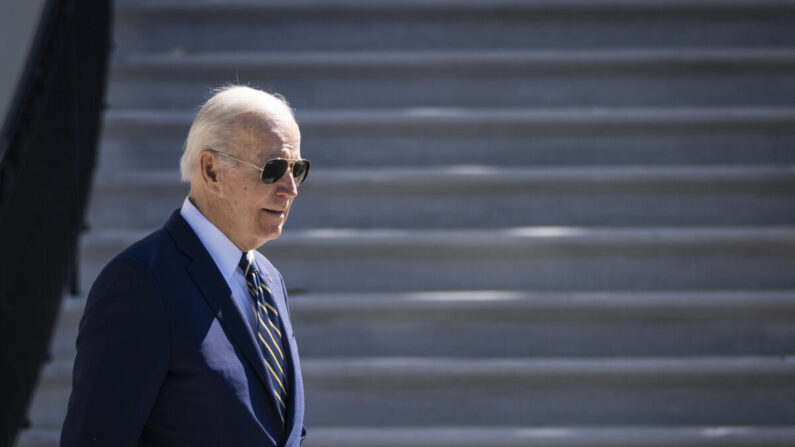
[287, 185]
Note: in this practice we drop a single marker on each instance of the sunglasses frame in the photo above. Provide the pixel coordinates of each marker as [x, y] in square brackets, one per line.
[261, 169]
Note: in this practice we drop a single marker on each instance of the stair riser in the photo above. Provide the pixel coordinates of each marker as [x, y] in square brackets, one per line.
[458, 89]
[540, 404]
[514, 437]
[390, 269]
[445, 333]
[147, 208]
[554, 273]
[501, 436]
[421, 30]
[515, 400]
[145, 149]
[431, 335]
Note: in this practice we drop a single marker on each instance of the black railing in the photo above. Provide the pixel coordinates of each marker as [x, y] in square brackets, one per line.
[48, 148]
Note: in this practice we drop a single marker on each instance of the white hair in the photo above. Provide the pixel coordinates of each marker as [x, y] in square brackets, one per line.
[214, 125]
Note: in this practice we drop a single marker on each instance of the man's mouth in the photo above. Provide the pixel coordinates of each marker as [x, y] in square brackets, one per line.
[277, 213]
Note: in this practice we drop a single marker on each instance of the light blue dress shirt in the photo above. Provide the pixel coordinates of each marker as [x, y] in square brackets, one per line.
[226, 256]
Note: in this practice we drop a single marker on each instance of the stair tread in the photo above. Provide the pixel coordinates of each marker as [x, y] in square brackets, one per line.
[527, 305]
[647, 370]
[239, 6]
[503, 237]
[727, 113]
[532, 304]
[492, 60]
[476, 177]
[511, 436]
[652, 368]
[522, 119]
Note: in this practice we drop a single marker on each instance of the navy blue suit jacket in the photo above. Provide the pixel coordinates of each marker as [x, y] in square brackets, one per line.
[165, 358]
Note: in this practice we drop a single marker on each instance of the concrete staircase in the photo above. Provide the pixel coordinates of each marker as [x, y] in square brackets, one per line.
[529, 222]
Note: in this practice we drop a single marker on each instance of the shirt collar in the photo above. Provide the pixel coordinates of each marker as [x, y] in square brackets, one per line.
[223, 251]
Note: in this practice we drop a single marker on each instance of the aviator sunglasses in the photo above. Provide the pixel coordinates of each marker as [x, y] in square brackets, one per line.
[275, 169]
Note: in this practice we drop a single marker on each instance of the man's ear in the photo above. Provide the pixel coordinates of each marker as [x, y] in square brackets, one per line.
[210, 170]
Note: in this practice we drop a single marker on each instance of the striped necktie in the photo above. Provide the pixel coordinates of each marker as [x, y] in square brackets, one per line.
[269, 331]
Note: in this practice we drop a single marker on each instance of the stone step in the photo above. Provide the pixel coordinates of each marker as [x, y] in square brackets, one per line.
[64, 336]
[526, 324]
[534, 324]
[473, 436]
[394, 391]
[520, 258]
[431, 392]
[514, 436]
[487, 196]
[153, 139]
[667, 77]
[320, 25]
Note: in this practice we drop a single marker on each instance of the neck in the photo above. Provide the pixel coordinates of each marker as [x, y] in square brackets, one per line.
[214, 214]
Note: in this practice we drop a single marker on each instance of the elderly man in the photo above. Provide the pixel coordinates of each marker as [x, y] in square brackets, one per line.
[186, 338]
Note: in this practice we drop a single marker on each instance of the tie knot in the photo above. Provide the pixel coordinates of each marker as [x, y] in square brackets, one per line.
[247, 266]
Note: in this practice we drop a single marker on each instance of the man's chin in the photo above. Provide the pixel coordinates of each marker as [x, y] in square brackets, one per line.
[271, 234]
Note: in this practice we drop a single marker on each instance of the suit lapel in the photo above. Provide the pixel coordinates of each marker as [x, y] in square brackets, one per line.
[216, 292]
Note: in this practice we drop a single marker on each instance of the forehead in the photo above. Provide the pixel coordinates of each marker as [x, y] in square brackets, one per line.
[267, 136]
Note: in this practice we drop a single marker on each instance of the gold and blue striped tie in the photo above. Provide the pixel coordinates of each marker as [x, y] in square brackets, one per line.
[269, 332]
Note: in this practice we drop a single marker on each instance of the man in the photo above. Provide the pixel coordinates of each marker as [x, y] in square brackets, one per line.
[186, 338]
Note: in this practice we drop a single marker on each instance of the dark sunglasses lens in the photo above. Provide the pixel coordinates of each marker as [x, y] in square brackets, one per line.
[274, 170]
[300, 170]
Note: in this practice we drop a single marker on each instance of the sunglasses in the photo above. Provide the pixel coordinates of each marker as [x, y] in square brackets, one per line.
[275, 169]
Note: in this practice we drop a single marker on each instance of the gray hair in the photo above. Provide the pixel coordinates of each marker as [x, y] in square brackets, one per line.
[214, 125]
